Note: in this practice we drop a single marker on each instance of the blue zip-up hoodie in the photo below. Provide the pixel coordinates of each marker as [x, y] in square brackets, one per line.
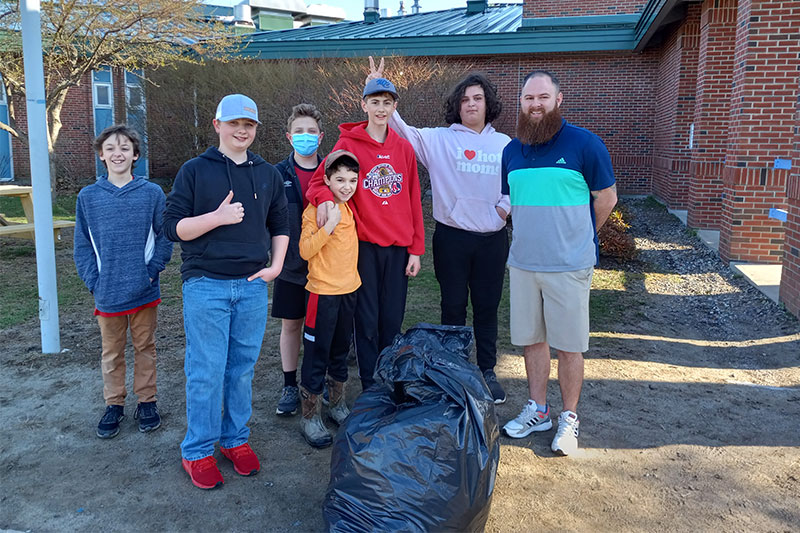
[236, 250]
[119, 243]
[295, 268]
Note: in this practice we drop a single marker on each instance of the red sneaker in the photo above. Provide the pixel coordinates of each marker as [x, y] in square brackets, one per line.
[204, 472]
[244, 459]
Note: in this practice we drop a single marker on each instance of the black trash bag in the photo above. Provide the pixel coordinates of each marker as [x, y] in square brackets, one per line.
[419, 451]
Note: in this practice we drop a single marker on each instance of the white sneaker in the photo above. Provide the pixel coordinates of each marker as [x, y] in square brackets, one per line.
[566, 440]
[528, 421]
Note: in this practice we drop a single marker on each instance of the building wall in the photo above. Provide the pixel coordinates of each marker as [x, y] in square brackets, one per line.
[74, 146]
[763, 119]
[790, 275]
[712, 112]
[674, 112]
[573, 8]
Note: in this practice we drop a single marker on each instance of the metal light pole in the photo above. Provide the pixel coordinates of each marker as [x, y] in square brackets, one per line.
[40, 175]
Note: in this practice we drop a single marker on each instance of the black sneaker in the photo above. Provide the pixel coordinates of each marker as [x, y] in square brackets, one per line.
[289, 402]
[149, 419]
[495, 388]
[108, 427]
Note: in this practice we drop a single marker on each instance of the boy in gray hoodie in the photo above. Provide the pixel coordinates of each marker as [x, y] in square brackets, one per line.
[119, 250]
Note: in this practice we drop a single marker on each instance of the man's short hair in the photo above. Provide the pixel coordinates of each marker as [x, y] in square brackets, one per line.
[452, 104]
[304, 110]
[117, 129]
[543, 73]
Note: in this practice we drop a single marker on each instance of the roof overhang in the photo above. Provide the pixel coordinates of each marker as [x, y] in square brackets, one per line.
[632, 32]
[657, 15]
[450, 45]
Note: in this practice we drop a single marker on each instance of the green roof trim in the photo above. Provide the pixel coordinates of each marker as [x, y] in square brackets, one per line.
[498, 30]
[580, 23]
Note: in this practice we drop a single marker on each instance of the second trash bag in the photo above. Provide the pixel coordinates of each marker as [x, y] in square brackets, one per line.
[420, 449]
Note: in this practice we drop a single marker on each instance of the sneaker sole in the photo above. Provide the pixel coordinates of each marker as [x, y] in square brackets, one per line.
[499, 401]
[148, 429]
[547, 426]
[204, 487]
[315, 444]
[107, 436]
[285, 413]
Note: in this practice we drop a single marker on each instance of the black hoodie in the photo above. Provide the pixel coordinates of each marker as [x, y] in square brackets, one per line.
[295, 268]
[236, 250]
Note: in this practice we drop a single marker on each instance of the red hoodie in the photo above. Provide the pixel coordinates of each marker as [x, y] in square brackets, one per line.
[387, 206]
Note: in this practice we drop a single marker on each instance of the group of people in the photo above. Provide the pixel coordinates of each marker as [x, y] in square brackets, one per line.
[340, 236]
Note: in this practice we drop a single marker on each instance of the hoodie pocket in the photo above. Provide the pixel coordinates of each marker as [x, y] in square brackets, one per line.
[474, 214]
[234, 251]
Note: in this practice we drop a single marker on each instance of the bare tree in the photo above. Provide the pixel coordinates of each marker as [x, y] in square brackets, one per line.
[79, 36]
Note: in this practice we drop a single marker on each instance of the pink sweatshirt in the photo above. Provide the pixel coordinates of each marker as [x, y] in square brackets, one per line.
[465, 172]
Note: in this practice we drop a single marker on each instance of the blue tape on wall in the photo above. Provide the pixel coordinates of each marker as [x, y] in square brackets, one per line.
[783, 164]
[778, 214]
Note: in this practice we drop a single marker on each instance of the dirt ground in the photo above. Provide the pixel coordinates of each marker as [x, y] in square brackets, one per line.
[690, 421]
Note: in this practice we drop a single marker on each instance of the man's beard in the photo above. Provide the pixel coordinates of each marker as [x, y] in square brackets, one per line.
[534, 132]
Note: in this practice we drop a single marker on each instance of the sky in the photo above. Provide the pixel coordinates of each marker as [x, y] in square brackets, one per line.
[355, 8]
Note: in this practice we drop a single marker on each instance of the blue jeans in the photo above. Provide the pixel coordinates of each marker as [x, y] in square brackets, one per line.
[224, 322]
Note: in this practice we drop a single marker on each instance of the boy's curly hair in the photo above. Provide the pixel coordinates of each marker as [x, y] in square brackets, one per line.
[452, 104]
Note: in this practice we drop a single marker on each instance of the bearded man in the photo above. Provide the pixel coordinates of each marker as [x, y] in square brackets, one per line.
[562, 189]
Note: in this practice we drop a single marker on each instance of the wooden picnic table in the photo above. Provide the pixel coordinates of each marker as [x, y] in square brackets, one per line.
[26, 230]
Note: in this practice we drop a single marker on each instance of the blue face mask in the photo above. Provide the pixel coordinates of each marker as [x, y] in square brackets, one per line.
[305, 144]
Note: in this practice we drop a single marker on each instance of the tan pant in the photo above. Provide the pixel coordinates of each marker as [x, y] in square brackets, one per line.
[114, 331]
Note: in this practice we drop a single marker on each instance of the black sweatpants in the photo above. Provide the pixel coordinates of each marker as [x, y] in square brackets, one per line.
[474, 265]
[327, 333]
[381, 303]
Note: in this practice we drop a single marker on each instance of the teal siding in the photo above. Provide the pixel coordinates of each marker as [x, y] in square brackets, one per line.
[103, 102]
[6, 158]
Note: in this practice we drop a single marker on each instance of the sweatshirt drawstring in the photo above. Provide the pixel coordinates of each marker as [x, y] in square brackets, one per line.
[228, 169]
[253, 180]
[252, 175]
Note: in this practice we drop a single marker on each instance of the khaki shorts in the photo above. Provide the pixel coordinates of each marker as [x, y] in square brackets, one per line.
[551, 307]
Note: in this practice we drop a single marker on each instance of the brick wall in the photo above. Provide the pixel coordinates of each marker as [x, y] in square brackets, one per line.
[577, 8]
[674, 112]
[712, 111]
[790, 275]
[763, 118]
[74, 146]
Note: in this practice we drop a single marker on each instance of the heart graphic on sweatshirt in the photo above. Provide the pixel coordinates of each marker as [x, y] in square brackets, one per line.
[470, 154]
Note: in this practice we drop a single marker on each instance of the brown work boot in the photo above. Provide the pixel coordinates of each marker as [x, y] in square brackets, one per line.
[311, 426]
[337, 407]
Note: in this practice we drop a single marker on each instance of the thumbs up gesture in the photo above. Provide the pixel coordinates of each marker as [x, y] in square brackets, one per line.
[230, 213]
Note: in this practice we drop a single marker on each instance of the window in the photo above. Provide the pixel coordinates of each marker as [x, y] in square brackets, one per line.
[102, 95]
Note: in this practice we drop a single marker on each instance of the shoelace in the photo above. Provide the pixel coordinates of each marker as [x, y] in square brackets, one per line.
[240, 451]
[204, 464]
[565, 426]
[528, 412]
[109, 416]
[146, 411]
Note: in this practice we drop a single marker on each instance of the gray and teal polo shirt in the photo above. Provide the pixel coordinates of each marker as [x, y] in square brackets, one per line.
[551, 203]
